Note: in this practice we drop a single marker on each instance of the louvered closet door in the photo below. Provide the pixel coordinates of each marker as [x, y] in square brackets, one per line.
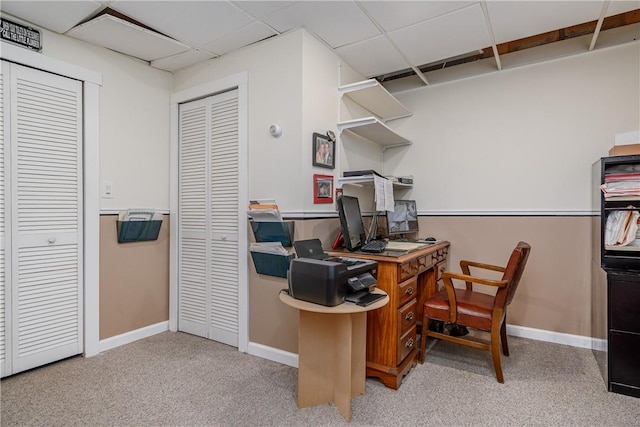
[208, 218]
[4, 367]
[46, 189]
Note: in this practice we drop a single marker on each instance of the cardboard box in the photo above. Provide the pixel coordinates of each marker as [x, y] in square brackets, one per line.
[624, 150]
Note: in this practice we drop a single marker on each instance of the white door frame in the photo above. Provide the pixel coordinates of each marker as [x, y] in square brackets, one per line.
[91, 98]
[238, 81]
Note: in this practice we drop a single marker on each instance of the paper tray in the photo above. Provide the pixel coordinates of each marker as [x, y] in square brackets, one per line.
[138, 231]
[271, 264]
[273, 232]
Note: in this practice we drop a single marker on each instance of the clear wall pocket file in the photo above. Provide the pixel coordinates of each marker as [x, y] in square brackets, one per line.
[138, 225]
[271, 259]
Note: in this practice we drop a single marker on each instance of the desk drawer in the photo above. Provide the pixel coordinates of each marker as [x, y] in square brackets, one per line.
[406, 344]
[407, 290]
[407, 269]
[407, 316]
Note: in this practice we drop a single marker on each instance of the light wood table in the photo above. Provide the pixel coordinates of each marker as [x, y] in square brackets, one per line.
[331, 352]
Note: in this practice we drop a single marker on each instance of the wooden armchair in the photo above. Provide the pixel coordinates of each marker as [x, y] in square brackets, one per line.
[478, 310]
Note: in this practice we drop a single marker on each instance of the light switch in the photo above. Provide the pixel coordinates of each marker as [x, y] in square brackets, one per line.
[107, 189]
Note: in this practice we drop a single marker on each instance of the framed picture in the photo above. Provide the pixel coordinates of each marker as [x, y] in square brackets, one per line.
[324, 151]
[322, 188]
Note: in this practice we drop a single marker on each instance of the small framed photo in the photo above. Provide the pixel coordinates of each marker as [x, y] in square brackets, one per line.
[324, 151]
[322, 188]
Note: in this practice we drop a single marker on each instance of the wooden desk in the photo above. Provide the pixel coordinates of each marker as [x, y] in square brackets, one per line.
[331, 352]
[408, 279]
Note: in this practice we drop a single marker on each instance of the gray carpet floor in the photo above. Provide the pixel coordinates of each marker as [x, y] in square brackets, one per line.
[181, 380]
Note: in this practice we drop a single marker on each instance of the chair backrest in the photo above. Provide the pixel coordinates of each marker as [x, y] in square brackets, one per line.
[513, 273]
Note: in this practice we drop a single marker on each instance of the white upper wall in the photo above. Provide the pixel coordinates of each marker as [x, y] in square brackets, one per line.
[134, 122]
[292, 82]
[520, 140]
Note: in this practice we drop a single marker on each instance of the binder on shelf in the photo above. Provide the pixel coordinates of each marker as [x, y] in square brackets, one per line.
[138, 225]
[273, 232]
[271, 259]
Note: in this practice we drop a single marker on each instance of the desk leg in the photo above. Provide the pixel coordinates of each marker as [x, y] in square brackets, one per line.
[331, 359]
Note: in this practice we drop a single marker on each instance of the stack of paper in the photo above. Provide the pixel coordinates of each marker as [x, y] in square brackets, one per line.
[264, 211]
[139, 215]
[621, 185]
[621, 228]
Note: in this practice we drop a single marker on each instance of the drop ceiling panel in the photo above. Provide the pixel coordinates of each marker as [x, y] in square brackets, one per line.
[258, 9]
[446, 36]
[252, 33]
[181, 60]
[192, 22]
[336, 22]
[617, 7]
[56, 16]
[372, 57]
[124, 37]
[393, 15]
[515, 20]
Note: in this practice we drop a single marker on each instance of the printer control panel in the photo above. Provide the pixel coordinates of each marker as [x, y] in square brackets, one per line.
[361, 282]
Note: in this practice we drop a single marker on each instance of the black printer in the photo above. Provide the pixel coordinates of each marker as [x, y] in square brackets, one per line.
[321, 279]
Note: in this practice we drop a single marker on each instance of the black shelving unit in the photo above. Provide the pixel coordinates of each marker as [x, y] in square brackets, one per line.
[622, 268]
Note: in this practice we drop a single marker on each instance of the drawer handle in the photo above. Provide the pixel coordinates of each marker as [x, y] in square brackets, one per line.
[409, 316]
[52, 240]
[409, 291]
[409, 343]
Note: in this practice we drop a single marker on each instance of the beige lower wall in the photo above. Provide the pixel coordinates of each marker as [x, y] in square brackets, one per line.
[554, 294]
[134, 280]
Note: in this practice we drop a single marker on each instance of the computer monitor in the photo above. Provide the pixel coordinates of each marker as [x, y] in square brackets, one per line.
[351, 222]
[403, 219]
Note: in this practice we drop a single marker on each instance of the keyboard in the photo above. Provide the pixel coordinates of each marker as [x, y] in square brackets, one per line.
[374, 246]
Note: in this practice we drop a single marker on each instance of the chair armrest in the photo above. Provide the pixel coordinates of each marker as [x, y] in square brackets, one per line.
[473, 279]
[451, 293]
[464, 266]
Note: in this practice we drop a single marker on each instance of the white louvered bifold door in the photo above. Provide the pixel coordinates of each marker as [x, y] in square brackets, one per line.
[224, 207]
[192, 217]
[208, 218]
[4, 367]
[46, 189]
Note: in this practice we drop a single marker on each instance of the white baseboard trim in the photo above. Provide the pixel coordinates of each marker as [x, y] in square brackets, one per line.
[557, 337]
[291, 359]
[129, 337]
[273, 354]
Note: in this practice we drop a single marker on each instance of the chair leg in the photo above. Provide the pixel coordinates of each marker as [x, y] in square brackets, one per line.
[495, 352]
[503, 338]
[423, 344]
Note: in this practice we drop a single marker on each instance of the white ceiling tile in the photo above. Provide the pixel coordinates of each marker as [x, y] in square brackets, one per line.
[336, 22]
[258, 9]
[513, 20]
[393, 15]
[245, 36]
[372, 57]
[192, 22]
[181, 60]
[446, 36]
[617, 6]
[124, 37]
[56, 16]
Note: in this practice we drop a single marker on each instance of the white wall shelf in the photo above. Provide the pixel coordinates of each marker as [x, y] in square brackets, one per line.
[368, 181]
[374, 97]
[374, 130]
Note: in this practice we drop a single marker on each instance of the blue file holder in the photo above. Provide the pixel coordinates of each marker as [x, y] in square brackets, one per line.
[138, 231]
[273, 232]
[271, 264]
